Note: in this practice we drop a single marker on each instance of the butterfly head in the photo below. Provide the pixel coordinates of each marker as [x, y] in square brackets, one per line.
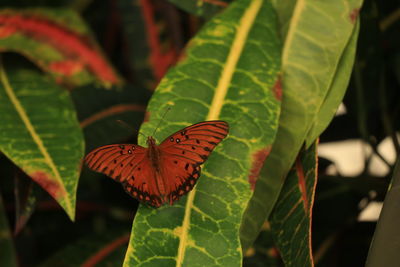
[151, 141]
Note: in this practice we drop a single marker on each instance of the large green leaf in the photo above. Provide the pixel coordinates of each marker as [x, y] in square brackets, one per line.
[58, 41]
[337, 90]
[228, 73]
[40, 133]
[316, 36]
[7, 251]
[291, 218]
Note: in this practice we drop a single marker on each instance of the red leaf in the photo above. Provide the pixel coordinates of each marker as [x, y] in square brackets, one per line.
[159, 60]
[78, 49]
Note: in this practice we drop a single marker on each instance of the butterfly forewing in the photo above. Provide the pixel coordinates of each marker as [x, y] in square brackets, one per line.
[113, 160]
[196, 142]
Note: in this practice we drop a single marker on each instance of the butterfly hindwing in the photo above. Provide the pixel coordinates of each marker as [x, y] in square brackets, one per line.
[181, 176]
[142, 185]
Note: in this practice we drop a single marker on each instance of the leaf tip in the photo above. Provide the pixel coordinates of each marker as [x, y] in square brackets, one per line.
[56, 190]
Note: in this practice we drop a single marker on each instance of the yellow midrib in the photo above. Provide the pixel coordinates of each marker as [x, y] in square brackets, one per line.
[221, 90]
[292, 29]
[21, 112]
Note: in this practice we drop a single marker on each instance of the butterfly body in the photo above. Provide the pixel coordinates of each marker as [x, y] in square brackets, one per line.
[154, 156]
[162, 173]
[153, 153]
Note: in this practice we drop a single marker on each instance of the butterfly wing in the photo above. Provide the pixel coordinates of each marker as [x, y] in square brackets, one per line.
[130, 165]
[185, 150]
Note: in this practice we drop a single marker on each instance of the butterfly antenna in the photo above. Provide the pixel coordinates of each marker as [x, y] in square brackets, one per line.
[126, 125]
[161, 120]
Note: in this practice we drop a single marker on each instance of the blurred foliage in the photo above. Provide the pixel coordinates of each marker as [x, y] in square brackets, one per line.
[37, 231]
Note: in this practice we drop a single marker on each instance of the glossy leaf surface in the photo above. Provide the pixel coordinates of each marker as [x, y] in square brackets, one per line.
[228, 73]
[40, 133]
[317, 34]
[338, 89]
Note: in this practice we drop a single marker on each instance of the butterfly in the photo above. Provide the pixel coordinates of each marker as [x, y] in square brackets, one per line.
[162, 173]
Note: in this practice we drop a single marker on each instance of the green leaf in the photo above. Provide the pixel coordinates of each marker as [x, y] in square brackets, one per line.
[317, 34]
[59, 42]
[291, 217]
[384, 250]
[7, 255]
[229, 73]
[337, 90]
[40, 133]
[202, 8]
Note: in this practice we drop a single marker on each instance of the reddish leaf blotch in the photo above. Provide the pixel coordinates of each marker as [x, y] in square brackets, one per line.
[159, 60]
[302, 185]
[258, 160]
[71, 44]
[6, 31]
[55, 189]
[277, 88]
[354, 15]
[66, 67]
[146, 116]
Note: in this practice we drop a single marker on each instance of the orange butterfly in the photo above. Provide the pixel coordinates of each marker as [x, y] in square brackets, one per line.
[162, 173]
